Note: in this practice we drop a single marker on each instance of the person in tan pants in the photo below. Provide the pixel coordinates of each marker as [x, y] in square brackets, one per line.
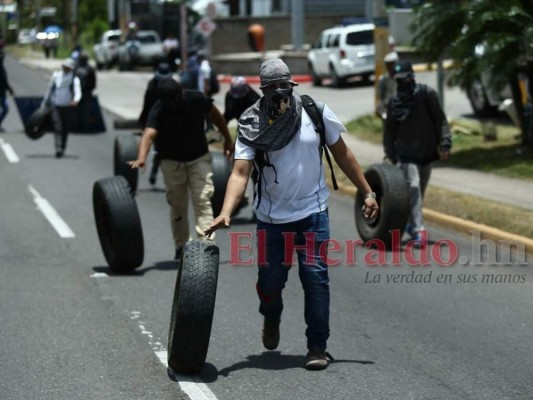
[176, 125]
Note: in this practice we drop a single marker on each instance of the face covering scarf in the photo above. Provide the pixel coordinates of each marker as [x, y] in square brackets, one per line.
[256, 131]
[405, 99]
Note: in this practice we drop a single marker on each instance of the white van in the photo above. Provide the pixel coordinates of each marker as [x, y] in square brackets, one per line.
[341, 53]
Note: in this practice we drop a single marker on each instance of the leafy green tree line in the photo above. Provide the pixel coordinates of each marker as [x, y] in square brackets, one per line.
[490, 35]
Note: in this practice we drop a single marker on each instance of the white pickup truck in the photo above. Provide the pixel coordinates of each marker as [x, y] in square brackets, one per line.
[106, 50]
[145, 49]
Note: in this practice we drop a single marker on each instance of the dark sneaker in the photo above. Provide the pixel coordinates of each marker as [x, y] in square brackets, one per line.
[152, 179]
[317, 360]
[177, 256]
[270, 334]
[59, 154]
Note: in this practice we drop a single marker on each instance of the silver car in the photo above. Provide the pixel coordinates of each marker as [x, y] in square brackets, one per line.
[106, 50]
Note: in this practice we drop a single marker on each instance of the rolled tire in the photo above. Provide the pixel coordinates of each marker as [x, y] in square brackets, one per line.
[392, 195]
[38, 123]
[126, 124]
[126, 150]
[118, 224]
[221, 172]
[193, 305]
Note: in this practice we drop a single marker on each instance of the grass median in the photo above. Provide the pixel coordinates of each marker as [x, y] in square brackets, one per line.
[470, 150]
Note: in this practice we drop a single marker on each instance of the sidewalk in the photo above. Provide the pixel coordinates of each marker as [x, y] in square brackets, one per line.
[121, 94]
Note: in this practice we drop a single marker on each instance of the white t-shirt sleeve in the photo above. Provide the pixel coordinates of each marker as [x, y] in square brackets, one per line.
[243, 152]
[334, 127]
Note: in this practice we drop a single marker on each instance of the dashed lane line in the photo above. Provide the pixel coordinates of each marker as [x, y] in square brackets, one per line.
[9, 152]
[51, 215]
[193, 386]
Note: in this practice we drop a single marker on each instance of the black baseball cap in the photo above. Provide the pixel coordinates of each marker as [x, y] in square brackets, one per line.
[403, 69]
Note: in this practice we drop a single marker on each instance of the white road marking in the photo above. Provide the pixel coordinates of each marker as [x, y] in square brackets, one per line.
[9, 152]
[193, 386]
[99, 275]
[51, 215]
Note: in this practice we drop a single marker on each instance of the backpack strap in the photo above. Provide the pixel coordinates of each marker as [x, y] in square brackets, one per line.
[261, 160]
[315, 111]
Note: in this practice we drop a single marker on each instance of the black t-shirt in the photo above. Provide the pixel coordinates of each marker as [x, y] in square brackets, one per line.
[181, 133]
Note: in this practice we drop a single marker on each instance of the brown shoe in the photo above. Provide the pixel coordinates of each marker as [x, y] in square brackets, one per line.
[270, 334]
[317, 360]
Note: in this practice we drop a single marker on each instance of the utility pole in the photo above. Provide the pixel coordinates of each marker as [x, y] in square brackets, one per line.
[297, 24]
[375, 10]
[183, 35]
[74, 22]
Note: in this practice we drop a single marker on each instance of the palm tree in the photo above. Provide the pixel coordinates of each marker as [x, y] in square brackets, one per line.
[483, 35]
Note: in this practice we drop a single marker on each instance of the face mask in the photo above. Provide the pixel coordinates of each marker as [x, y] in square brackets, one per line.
[278, 101]
[405, 86]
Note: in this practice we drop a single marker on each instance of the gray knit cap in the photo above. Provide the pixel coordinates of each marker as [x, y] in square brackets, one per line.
[274, 71]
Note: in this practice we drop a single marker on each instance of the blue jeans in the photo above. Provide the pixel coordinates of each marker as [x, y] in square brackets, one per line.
[306, 236]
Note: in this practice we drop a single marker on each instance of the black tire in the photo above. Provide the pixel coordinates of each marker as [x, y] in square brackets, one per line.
[221, 172]
[477, 95]
[337, 81]
[392, 194]
[118, 224]
[126, 150]
[38, 123]
[315, 78]
[126, 124]
[193, 305]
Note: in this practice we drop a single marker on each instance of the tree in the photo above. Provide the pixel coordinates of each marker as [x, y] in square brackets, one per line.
[491, 35]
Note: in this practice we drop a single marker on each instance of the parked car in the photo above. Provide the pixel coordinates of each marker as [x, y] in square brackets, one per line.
[486, 101]
[106, 50]
[341, 53]
[26, 36]
[145, 49]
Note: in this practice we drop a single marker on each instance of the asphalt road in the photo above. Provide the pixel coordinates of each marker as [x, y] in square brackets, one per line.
[71, 329]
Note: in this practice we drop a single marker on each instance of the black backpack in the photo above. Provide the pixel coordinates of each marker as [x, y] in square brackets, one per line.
[314, 110]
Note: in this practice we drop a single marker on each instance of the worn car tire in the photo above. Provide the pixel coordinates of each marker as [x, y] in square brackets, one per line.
[38, 123]
[336, 80]
[126, 150]
[126, 124]
[193, 306]
[392, 195]
[118, 224]
[317, 81]
[221, 171]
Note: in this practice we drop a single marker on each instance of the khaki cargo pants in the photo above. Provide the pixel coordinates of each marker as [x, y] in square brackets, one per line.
[180, 178]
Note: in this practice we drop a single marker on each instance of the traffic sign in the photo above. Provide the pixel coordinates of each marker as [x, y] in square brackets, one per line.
[205, 26]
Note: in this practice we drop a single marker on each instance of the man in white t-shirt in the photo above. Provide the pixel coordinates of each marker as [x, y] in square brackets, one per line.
[204, 72]
[171, 50]
[291, 201]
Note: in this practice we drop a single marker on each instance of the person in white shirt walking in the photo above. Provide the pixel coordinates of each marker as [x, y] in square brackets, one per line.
[278, 133]
[64, 93]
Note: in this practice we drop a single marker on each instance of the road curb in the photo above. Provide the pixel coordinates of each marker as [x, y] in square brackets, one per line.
[461, 225]
[467, 227]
